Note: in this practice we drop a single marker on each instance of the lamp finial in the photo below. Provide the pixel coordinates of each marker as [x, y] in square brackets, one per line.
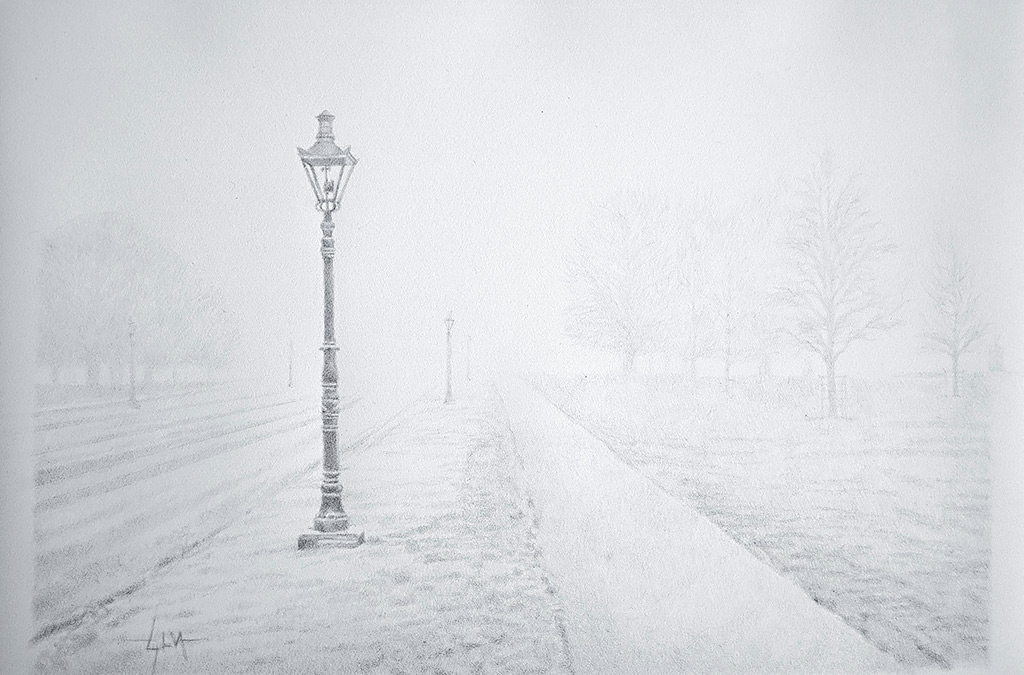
[325, 131]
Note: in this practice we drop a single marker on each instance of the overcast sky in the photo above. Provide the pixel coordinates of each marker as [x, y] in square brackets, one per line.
[485, 131]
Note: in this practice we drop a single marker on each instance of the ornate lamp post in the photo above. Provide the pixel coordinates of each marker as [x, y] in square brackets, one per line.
[449, 322]
[329, 168]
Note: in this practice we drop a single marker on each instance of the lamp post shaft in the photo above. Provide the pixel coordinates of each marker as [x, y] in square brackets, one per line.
[331, 517]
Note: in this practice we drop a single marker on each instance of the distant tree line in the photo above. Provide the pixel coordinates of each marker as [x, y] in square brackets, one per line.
[804, 266]
[111, 292]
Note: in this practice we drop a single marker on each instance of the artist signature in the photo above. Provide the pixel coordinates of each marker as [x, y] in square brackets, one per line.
[157, 643]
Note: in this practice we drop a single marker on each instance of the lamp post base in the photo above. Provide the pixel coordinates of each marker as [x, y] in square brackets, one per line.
[330, 540]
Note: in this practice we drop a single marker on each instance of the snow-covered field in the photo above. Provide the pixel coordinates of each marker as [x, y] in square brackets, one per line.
[124, 492]
[880, 516]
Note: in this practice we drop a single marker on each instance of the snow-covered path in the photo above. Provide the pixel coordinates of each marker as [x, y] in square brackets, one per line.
[648, 585]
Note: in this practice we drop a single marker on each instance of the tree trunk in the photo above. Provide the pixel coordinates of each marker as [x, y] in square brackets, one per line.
[628, 358]
[956, 375]
[995, 358]
[764, 369]
[92, 374]
[831, 384]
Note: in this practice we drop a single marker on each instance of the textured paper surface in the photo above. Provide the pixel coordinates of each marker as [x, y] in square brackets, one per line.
[617, 200]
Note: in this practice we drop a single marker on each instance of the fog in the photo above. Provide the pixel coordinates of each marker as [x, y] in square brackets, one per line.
[486, 137]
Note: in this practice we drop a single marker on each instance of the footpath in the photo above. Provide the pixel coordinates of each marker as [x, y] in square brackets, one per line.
[500, 538]
[649, 585]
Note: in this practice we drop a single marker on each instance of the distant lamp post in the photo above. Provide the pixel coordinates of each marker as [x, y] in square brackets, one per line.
[291, 358]
[449, 322]
[132, 400]
[328, 169]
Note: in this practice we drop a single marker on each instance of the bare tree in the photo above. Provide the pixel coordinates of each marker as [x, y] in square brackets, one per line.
[620, 274]
[690, 331]
[102, 272]
[832, 252]
[955, 323]
[995, 355]
[737, 299]
[768, 214]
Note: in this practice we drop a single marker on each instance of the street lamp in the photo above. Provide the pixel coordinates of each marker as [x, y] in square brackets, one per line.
[328, 169]
[291, 359]
[132, 400]
[449, 322]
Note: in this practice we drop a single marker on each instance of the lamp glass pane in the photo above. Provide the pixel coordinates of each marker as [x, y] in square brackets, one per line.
[314, 181]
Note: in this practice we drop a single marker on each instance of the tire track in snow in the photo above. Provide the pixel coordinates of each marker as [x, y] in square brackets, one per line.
[98, 608]
[114, 455]
[149, 471]
[122, 407]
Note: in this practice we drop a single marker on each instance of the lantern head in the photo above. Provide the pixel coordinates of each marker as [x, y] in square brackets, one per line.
[327, 166]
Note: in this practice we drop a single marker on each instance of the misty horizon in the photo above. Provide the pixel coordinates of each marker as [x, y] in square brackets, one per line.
[480, 164]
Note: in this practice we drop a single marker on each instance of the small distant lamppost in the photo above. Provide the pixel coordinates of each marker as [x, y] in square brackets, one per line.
[132, 400]
[329, 168]
[291, 358]
[449, 322]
